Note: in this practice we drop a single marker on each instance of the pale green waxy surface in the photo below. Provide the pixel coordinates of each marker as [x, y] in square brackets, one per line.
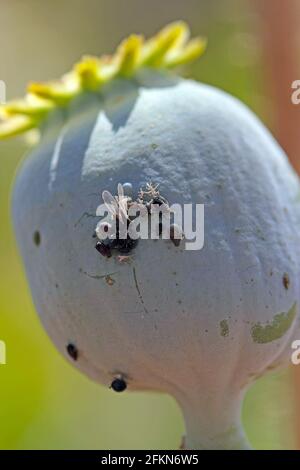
[224, 328]
[274, 329]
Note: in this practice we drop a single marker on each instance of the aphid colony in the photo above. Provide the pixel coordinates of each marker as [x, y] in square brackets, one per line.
[112, 231]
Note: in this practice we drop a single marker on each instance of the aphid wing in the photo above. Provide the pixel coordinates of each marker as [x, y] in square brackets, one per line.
[123, 210]
[110, 202]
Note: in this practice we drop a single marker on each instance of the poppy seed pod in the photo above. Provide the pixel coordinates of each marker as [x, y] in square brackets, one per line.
[200, 325]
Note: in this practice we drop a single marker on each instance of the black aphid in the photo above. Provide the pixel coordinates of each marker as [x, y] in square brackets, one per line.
[37, 238]
[118, 385]
[125, 246]
[103, 249]
[159, 200]
[72, 351]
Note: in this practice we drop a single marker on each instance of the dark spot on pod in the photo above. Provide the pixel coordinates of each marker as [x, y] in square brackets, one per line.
[159, 200]
[118, 385]
[286, 281]
[125, 246]
[148, 207]
[72, 351]
[176, 241]
[104, 250]
[37, 238]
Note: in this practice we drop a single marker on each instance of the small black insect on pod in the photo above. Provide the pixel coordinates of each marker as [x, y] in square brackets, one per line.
[159, 200]
[103, 249]
[72, 351]
[118, 384]
[173, 238]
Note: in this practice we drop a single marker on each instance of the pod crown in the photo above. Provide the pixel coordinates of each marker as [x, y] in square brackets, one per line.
[169, 48]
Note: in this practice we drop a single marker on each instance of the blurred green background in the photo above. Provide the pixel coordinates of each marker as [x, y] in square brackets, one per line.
[44, 402]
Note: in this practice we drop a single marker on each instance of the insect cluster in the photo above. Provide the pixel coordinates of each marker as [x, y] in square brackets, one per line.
[109, 231]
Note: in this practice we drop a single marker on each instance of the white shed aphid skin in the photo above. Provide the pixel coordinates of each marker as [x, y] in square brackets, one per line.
[204, 324]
